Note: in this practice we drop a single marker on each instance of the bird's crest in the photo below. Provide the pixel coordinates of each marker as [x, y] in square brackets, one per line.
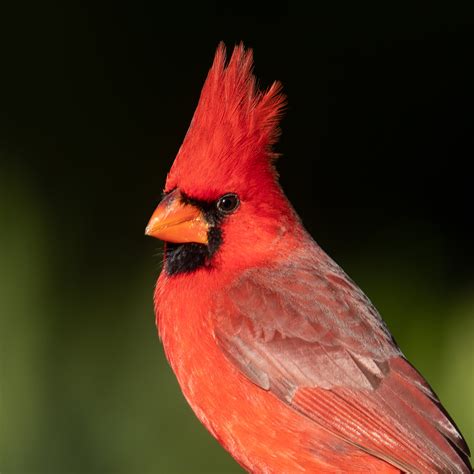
[233, 128]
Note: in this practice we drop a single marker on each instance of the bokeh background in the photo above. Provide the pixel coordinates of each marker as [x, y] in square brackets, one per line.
[95, 99]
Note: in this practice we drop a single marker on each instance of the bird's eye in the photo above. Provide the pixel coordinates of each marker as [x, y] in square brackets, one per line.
[228, 203]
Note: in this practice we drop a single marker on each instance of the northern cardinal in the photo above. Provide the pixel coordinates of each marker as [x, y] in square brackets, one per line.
[279, 353]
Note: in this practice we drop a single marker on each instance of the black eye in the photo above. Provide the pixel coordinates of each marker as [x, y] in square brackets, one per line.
[228, 203]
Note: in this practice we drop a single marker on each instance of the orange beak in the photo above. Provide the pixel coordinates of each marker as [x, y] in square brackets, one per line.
[176, 221]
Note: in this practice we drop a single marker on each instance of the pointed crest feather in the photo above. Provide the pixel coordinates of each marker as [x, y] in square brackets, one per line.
[233, 127]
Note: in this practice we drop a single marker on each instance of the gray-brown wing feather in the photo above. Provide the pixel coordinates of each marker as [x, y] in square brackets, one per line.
[307, 333]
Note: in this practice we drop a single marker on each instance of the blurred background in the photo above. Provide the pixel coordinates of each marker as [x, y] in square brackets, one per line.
[95, 100]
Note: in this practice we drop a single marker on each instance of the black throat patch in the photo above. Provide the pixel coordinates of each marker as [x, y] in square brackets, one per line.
[185, 258]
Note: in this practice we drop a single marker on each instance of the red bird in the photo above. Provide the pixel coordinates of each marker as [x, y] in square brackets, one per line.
[279, 353]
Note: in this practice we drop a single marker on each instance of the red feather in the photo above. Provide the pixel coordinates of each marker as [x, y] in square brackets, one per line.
[282, 356]
[230, 136]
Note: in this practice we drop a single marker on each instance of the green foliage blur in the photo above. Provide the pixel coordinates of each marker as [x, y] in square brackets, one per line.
[95, 106]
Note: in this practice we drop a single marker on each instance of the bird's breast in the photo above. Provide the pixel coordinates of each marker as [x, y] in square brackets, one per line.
[263, 434]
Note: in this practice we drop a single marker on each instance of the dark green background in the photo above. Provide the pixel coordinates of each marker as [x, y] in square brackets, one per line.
[95, 99]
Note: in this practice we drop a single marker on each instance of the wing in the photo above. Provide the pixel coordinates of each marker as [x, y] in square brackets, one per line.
[307, 333]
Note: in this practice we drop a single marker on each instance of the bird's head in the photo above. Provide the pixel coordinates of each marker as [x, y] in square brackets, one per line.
[222, 202]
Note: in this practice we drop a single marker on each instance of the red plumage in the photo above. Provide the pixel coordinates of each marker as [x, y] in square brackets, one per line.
[234, 125]
[278, 352]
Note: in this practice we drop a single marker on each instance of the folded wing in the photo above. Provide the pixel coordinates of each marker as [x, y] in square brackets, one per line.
[307, 333]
